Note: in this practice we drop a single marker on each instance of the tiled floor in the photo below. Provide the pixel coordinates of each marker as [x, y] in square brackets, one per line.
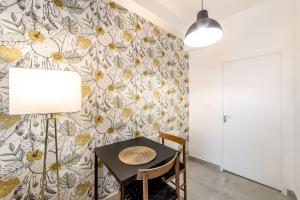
[208, 183]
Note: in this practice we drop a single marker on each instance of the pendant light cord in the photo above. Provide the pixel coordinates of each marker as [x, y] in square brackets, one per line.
[202, 4]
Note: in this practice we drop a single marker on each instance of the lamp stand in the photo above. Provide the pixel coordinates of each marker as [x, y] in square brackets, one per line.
[44, 179]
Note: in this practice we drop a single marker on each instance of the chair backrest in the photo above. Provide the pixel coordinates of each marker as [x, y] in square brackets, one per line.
[145, 174]
[178, 140]
[156, 172]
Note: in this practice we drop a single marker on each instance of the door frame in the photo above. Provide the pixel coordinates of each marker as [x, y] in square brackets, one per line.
[283, 190]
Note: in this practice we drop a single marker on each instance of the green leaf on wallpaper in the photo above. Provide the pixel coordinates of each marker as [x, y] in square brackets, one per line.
[2, 142]
[118, 102]
[70, 25]
[68, 128]
[73, 7]
[120, 86]
[120, 126]
[68, 181]
[121, 9]
[119, 22]
[121, 47]
[71, 159]
[13, 16]
[49, 190]
[149, 85]
[72, 57]
[11, 147]
[118, 61]
[149, 119]
[151, 40]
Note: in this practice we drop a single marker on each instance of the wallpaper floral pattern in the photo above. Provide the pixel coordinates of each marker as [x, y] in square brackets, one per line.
[134, 83]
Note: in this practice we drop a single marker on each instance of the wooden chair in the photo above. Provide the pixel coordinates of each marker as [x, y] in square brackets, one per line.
[153, 187]
[169, 176]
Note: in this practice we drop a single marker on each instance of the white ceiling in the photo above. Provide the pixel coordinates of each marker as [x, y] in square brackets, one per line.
[176, 16]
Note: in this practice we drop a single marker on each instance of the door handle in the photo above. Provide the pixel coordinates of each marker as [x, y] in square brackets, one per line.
[226, 117]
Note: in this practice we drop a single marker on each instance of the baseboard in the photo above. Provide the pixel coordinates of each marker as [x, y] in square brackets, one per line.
[292, 195]
[205, 162]
[112, 196]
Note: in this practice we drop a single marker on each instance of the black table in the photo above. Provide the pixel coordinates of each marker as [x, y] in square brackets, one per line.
[124, 173]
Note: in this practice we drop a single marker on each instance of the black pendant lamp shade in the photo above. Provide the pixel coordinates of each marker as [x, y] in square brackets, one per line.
[204, 31]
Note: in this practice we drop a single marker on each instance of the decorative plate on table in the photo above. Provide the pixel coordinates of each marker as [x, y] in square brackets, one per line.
[137, 155]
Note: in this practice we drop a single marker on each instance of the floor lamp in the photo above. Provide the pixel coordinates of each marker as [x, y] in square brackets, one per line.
[44, 92]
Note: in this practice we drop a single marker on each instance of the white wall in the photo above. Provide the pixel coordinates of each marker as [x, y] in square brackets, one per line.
[297, 83]
[265, 28]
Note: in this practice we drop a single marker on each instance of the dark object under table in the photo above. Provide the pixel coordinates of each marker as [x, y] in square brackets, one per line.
[126, 174]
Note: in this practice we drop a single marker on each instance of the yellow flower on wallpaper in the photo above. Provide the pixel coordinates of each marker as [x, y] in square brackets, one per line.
[136, 134]
[111, 45]
[156, 31]
[156, 63]
[84, 42]
[145, 107]
[111, 87]
[57, 56]
[8, 186]
[99, 74]
[36, 36]
[82, 188]
[176, 82]
[85, 90]
[176, 109]
[127, 36]
[137, 98]
[145, 39]
[58, 3]
[99, 30]
[98, 119]
[181, 98]
[82, 139]
[186, 56]
[127, 73]
[112, 4]
[9, 54]
[146, 73]
[55, 166]
[7, 121]
[156, 125]
[127, 112]
[137, 27]
[137, 61]
[34, 155]
[156, 94]
[110, 130]
[122, 60]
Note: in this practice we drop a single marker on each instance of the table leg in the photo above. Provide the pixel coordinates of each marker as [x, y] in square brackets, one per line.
[122, 191]
[96, 177]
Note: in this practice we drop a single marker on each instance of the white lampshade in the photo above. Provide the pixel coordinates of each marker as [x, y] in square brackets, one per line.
[43, 91]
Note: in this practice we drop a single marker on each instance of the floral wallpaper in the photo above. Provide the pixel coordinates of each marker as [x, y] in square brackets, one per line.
[134, 83]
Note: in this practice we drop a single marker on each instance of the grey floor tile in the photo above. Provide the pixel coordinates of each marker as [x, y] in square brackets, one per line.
[199, 191]
[208, 183]
[209, 176]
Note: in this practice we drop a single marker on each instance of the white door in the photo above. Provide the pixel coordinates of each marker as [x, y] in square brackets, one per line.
[252, 119]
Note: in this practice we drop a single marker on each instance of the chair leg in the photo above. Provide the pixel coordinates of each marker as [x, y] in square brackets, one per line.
[145, 187]
[118, 195]
[177, 178]
[185, 184]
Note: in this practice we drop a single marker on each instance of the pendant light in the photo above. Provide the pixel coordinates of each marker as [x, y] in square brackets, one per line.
[205, 31]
